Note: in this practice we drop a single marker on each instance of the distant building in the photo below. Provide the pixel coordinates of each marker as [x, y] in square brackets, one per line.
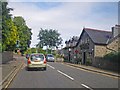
[70, 48]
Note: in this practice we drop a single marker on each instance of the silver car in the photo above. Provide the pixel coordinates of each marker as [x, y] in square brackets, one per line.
[36, 61]
[50, 58]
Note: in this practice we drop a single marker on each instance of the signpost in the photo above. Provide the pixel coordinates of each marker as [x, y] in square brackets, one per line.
[17, 46]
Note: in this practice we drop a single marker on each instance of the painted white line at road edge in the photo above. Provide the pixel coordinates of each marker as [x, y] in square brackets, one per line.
[50, 66]
[86, 86]
[65, 75]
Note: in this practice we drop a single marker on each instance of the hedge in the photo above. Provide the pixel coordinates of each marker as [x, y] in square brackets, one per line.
[113, 57]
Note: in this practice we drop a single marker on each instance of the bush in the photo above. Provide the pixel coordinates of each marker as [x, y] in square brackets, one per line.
[89, 61]
[113, 57]
[78, 60]
[59, 56]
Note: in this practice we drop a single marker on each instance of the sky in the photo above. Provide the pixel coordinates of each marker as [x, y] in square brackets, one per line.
[68, 17]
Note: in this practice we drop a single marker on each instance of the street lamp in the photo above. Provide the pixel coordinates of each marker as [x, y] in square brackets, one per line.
[69, 53]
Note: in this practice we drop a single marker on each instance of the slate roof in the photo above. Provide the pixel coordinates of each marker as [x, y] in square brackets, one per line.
[116, 37]
[97, 36]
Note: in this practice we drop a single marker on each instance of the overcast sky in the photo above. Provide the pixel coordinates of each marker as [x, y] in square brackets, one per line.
[68, 18]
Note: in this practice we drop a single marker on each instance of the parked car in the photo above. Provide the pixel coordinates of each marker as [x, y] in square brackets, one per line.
[50, 58]
[36, 61]
[27, 56]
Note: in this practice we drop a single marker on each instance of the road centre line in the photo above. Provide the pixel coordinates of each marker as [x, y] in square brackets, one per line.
[86, 86]
[65, 75]
[50, 66]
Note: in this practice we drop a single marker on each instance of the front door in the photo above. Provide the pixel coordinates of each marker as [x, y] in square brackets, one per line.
[84, 57]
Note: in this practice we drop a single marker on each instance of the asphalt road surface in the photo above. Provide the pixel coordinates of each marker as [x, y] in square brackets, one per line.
[59, 75]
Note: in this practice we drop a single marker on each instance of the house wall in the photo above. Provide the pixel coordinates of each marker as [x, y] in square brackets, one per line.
[100, 50]
[113, 45]
[89, 51]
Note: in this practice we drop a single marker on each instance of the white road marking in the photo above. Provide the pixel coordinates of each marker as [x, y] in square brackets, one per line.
[65, 75]
[50, 66]
[86, 86]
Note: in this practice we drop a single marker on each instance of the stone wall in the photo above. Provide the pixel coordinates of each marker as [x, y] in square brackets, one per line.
[113, 46]
[100, 51]
[105, 64]
[7, 56]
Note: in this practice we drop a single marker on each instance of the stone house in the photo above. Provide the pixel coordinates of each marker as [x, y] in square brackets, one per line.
[113, 44]
[70, 48]
[92, 44]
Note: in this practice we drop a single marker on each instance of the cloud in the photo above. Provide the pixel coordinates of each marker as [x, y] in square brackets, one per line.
[68, 18]
[63, 0]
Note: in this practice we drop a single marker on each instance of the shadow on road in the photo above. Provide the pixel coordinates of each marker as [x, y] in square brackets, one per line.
[34, 69]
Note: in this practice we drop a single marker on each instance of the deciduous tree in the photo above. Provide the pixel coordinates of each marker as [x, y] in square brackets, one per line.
[49, 37]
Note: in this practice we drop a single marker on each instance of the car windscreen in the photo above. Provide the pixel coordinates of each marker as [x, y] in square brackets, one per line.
[50, 56]
[37, 57]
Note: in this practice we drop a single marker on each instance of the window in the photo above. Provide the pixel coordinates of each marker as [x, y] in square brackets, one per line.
[37, 57]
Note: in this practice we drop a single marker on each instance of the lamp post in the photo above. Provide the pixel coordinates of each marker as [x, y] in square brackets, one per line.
[92, 56]
[69, 53]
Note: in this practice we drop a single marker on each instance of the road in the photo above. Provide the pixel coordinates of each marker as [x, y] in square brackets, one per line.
[59, 75]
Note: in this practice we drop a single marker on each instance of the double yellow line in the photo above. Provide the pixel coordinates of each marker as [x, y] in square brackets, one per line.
[12, 77]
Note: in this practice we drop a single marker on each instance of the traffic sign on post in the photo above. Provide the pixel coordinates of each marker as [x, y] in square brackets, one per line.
[76, 51]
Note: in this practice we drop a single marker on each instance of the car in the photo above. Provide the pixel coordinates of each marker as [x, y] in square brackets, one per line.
[36, 61]
[27, 56]
[50, 58]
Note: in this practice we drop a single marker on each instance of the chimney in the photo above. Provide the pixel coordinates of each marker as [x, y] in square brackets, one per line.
[115, 30]
[112, 31]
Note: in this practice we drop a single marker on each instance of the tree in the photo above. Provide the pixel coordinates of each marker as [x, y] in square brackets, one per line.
[10, 36]
[28, 51]
[50, 38]
[33, 50]
[9, 30]
[24, 33]
[13, 30]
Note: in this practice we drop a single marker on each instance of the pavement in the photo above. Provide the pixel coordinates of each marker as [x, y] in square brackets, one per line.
[94, 69]
[9, 69]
